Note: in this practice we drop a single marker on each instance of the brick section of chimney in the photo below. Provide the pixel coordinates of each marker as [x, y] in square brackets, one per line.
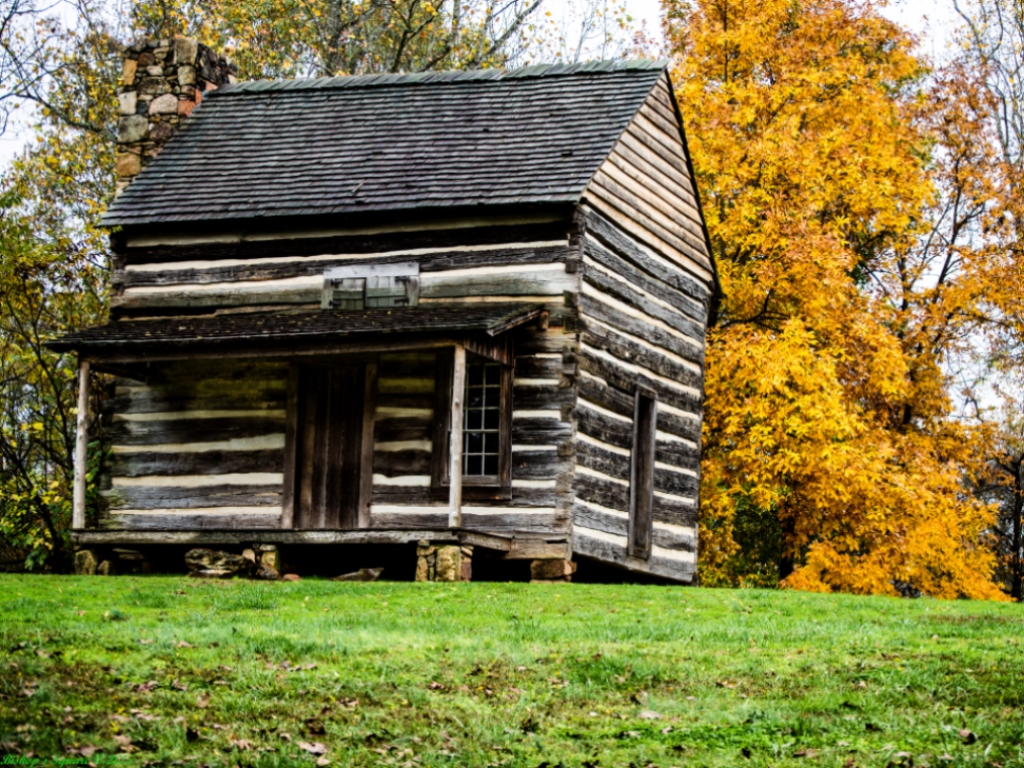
[162, 82]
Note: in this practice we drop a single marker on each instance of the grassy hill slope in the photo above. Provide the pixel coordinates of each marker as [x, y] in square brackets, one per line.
[167, 670]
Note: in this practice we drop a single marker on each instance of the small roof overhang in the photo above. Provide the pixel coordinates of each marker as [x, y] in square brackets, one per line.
[296, 332]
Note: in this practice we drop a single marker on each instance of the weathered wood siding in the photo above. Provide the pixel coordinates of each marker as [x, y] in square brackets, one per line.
[541, 444]
[628, 286]
[646, 287]
[199, 446]
[467, 265]
[645, 187]
[530, 262]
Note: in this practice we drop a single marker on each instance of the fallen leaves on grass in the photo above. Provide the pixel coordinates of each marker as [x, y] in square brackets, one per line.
[968, 736]
[316, 748]
[87, 750]
[242, 745]
[808, 753]
[203, 701]
[649, 714]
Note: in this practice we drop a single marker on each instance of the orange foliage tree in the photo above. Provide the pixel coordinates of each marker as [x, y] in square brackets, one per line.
[833, 461]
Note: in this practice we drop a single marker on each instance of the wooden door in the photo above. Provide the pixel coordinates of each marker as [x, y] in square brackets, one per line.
[329, 446]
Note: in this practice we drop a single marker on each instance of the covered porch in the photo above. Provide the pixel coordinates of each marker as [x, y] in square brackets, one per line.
[185, 455]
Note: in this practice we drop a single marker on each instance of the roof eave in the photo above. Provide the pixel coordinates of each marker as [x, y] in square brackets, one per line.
[356, 220]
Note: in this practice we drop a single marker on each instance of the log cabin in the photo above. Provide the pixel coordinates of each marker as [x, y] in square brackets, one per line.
[463, 309]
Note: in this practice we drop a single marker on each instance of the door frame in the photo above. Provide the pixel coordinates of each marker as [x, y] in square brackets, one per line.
[290, 487]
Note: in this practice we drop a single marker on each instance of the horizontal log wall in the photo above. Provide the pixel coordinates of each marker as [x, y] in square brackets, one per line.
[530, 262]
[645, 187]
[463, 269]
[541, 445]
[646, 288]
[199, 446]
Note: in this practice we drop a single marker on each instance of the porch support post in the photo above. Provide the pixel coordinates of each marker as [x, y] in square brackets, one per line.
[455, 447]
[81, 447]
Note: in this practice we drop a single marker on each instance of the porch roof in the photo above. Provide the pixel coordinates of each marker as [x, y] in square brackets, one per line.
[296, 326]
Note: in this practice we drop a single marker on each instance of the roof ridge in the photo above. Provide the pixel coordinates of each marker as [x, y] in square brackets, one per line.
[589, 68]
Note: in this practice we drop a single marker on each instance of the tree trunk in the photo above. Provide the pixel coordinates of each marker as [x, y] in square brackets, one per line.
[1017, 561]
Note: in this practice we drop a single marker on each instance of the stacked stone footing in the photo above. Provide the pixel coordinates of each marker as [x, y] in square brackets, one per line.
[551, 571]
[443, 562]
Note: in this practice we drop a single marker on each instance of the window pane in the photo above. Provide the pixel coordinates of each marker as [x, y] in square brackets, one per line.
[482, 425]
[491, 418]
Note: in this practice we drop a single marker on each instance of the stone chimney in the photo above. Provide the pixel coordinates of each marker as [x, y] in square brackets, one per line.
[162, 82]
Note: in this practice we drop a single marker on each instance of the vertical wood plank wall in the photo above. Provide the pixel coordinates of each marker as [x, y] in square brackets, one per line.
[643, 306]
[200, 446]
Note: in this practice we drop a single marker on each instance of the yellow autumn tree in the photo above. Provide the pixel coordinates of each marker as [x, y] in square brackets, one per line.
[832, 458]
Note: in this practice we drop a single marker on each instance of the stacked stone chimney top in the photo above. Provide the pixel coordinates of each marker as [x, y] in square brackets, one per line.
[162, 82]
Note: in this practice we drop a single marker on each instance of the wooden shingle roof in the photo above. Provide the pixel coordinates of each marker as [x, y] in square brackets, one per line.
[345, 145]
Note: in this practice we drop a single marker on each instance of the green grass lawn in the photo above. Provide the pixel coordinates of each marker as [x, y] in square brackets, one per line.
[172, 671]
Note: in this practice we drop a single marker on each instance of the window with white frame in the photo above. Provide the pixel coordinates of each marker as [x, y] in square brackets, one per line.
[486, 431]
